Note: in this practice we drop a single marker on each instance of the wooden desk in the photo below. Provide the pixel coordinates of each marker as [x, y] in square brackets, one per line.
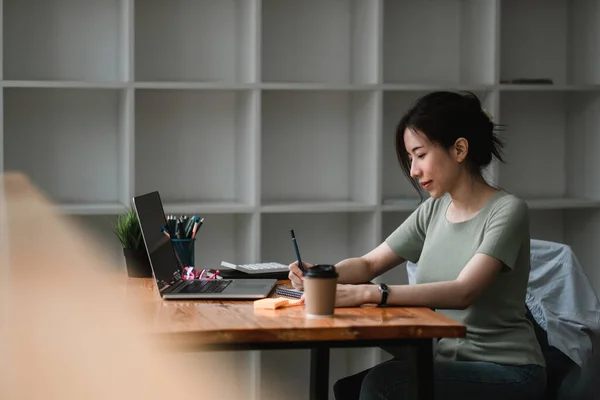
[236, 325]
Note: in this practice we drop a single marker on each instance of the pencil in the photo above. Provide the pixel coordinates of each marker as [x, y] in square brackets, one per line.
[300, 265]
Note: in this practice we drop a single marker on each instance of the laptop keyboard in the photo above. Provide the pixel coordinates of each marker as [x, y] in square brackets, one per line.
[206, 286]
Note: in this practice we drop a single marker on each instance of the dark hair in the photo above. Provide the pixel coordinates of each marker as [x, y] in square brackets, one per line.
[443, 117]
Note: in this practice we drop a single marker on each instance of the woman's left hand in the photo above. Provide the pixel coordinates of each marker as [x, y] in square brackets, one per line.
[352, 295]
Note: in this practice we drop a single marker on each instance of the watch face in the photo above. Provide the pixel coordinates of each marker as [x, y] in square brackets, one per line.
[383, 288]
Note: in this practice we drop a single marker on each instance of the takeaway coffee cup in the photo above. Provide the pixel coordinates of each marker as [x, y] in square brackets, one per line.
[319, 290]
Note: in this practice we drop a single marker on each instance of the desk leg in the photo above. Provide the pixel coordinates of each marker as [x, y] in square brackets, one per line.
[424, 369]
[319, 373]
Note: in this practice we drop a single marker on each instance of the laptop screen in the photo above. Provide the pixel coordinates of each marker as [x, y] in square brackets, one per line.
[152, 218]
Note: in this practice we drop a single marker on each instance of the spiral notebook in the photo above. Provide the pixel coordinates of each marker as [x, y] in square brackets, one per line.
[288, 292]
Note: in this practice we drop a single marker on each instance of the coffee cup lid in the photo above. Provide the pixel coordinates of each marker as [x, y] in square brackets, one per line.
[321, 271]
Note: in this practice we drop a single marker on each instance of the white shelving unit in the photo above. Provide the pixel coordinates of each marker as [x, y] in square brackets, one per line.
[268, 115]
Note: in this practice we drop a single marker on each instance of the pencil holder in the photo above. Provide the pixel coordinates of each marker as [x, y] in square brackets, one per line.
[184, 250]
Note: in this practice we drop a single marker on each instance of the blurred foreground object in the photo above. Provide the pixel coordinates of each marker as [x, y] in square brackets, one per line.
[68, 328]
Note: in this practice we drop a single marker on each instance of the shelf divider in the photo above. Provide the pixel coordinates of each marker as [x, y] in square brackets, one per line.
[365, 26]
[249, 20]
[492, 105]
[1, 87]
[1, 59]
[127, 146]
[128, 49]
[2, 129]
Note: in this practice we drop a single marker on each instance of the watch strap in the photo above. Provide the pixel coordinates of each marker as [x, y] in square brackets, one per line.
[385, 291]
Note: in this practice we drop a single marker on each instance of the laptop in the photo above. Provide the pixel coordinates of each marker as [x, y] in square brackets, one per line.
[166, 269]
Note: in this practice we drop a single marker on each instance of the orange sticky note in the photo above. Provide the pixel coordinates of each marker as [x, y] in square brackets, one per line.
[292, 303]
[270, 303]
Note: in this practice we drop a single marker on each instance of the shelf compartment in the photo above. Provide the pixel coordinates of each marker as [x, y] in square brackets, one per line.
[547, 225]
[554, 39]
[396, 189]
[318, 86]
[92, 209]
[417, 35]
[430, 87]
[398, 193]
[322, 237]
[196, 85]
[319, 41]
[195, 40]
[65, 40]
[98, 227]
[68, 141]
[208, 208]
[577, 228]
[64, 84]
[582, 232]
[197, 147]
[549, 152]
[226, 237]
[562, 203]
[317, 206]
[401, 204]
[319, 147]
[409, 205]
[549, 88]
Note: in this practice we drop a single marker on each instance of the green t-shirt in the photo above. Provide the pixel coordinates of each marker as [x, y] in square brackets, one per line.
[497, 327]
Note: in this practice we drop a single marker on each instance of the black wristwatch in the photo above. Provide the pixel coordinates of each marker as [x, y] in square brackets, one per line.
[385, 291]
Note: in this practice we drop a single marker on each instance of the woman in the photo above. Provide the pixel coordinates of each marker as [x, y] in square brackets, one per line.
[471, 242]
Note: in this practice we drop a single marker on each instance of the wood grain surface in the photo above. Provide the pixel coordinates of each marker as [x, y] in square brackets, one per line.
[205, 323]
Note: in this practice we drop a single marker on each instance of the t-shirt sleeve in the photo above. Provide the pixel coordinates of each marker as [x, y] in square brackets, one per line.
[505, 231]
[407, 240]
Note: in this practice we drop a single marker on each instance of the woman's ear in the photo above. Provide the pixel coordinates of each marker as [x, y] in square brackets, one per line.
[461, 148]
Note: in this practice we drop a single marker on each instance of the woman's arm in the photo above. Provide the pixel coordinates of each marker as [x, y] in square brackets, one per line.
[363, 269]
[408, 237]
[479, 272]
[355, 270]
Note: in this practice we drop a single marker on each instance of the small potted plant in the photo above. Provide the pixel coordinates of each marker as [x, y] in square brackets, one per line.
[127, 229]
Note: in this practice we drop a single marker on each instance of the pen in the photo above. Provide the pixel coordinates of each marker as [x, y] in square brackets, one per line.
[172, 226]
[197, 225]
[180, 232]
[297, 251]
[188, 226]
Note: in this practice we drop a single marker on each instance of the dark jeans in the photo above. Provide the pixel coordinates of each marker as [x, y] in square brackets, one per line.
[452, 380]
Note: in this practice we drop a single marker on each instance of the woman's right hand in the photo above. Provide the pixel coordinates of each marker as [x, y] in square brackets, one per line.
[296, 276]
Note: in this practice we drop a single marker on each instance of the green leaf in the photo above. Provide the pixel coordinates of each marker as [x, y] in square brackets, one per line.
[127, 229]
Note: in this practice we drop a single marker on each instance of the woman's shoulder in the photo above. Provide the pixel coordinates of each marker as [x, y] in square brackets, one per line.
[505, 203]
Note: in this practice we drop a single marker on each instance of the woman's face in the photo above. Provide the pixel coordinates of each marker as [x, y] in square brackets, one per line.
[431, 165]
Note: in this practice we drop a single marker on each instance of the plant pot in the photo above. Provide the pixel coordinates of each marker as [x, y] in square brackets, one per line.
[138, 265]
